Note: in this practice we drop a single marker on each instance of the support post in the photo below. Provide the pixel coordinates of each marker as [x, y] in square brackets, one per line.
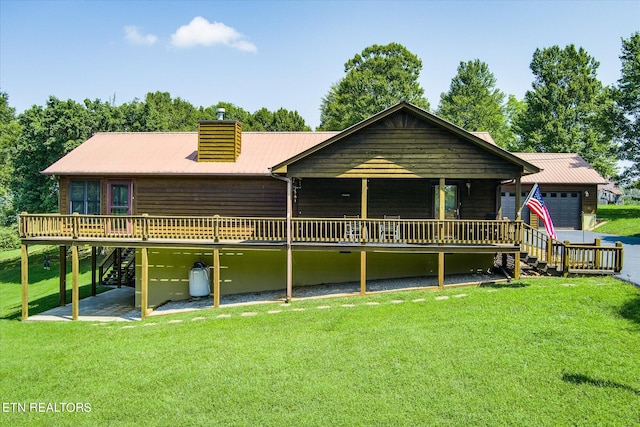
[94, 263]
[565, 258]
[216, 278]
[24, 277]
[619, 258]
[518, 199]
[144, 283]
[365, 196]
[63, 275]
[75, 292]
[516, 265]
[363, 272]
[597, 254]
[441, 195]
[289, 231]
[441, 270]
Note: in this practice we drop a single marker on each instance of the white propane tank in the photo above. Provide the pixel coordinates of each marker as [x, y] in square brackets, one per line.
[199, 280]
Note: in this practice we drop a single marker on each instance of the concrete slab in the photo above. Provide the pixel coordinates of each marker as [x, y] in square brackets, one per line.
[114, 305]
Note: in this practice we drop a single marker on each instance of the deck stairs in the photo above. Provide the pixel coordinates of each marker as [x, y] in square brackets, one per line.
[119, 263]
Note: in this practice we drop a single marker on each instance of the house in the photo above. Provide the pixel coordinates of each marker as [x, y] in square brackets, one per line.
[609, 194]
[569, 188]
[401, 194]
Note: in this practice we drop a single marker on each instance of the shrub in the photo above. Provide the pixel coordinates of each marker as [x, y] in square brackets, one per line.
[9, 238]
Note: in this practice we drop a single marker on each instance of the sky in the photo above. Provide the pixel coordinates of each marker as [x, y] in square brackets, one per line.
[282, 54]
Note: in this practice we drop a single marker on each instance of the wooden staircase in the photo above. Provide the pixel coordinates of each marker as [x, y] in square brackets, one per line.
[547, 256]
[118, 268]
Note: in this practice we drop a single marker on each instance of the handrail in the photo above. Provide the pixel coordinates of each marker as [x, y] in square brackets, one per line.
[264, 229]
[569, 257]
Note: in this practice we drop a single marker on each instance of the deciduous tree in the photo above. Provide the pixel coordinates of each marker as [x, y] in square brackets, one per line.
[378, 78]
[568, 108]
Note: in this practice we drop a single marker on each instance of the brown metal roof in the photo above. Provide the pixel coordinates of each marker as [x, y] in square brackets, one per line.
[176, 154]
[560, 168]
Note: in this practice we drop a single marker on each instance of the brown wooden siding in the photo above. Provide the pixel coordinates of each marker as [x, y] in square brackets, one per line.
[219, 141]
[328, 198]
[479, 201]
[408, 198]
[402, 146]
[211, 196]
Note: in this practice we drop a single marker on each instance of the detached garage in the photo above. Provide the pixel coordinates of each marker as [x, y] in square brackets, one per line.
[569, 188]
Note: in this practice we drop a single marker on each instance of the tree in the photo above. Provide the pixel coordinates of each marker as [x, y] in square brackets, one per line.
[47, 135]
[164, 114]
[568, 109]
[9, 132]
[378, 78]
[474, 103]
[627, 97]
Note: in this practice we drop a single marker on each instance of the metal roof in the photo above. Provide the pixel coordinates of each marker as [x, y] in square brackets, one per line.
[560, 168]
[161, 153]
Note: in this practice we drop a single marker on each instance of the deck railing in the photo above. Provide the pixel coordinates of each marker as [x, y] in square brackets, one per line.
[568, 257]
[307, 230]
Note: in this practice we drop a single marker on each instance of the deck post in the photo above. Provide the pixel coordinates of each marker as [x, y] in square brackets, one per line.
[144, 283]
[441, 269]
[597, 254]
[363, 272]
[289, 237]
[516, 265]
[441, 195]
[24, 277]
[216, 278]
[565, 258]
[94, 258]
[620, 258]
[518, 199]
[364, 201]
[75, 293]
[63, 275]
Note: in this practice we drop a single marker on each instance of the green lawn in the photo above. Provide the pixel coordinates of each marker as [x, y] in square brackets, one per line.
[544, 351]
[623, 220]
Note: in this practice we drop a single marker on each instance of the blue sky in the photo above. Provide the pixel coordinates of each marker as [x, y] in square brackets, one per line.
[282, 54]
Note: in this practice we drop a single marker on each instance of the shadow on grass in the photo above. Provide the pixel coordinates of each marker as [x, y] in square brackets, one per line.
[513, 285]
[630, 310]
[580, 379]
[48, 302]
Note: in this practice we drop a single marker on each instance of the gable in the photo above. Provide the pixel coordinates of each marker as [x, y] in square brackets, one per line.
[405, 145]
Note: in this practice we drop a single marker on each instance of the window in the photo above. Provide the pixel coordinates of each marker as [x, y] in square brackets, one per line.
[84, 197]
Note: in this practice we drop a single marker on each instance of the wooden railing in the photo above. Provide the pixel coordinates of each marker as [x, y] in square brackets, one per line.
[568, 257]
[307, 230]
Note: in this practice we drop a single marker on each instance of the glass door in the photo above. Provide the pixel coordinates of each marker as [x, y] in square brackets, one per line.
[119, 204]
[450, 201]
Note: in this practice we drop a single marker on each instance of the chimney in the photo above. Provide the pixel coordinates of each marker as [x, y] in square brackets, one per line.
[219, 140]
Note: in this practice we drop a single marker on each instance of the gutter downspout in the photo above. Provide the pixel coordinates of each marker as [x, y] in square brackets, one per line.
[289, 214]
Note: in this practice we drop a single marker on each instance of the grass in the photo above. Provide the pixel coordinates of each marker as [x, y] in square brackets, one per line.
[43, 284]
[623, 220]
[543, 351]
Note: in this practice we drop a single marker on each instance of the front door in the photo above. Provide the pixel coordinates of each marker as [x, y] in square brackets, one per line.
[119, 204]
[450, 201]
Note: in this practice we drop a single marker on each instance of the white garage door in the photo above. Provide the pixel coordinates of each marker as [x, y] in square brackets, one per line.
[564, 207]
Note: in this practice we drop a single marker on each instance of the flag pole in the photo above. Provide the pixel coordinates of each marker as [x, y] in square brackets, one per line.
[527, 198]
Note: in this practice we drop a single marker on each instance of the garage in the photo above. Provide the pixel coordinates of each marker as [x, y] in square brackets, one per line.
[569, 187]
[564, 208]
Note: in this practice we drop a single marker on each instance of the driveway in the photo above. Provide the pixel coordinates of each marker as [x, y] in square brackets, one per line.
[630, 268]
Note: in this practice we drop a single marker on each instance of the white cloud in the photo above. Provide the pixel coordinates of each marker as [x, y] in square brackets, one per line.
[202, 32]
[133, 36]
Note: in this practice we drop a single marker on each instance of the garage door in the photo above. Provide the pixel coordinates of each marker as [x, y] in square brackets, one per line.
[564, 208]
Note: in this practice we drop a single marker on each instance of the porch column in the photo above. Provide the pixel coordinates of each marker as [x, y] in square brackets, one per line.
[442, 201]
[63, 275]
[75, 293]
[94, 259]
[364, 203]
[289, 231]
[216, 278]
[144, 283]
[518, 199]
[24, 277]
[516, 265]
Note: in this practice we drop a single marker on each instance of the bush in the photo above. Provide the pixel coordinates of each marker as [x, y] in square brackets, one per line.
[9, 238]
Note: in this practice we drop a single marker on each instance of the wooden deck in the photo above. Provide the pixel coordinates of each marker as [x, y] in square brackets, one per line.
[182, 230]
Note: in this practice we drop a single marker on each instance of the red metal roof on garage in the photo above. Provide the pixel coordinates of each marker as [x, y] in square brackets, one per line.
[560, 168]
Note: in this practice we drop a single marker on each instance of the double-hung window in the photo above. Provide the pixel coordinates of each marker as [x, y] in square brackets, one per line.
[84, 197]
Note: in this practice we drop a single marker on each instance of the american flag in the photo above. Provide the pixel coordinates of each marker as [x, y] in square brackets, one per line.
[536, 204]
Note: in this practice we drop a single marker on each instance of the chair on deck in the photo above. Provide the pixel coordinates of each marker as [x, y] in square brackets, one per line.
[353, 229]
[390, 230]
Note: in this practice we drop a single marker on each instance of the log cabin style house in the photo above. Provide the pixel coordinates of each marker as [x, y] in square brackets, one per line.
[401, 194]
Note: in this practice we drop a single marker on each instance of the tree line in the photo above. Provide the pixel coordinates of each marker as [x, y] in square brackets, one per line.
[567, 109]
